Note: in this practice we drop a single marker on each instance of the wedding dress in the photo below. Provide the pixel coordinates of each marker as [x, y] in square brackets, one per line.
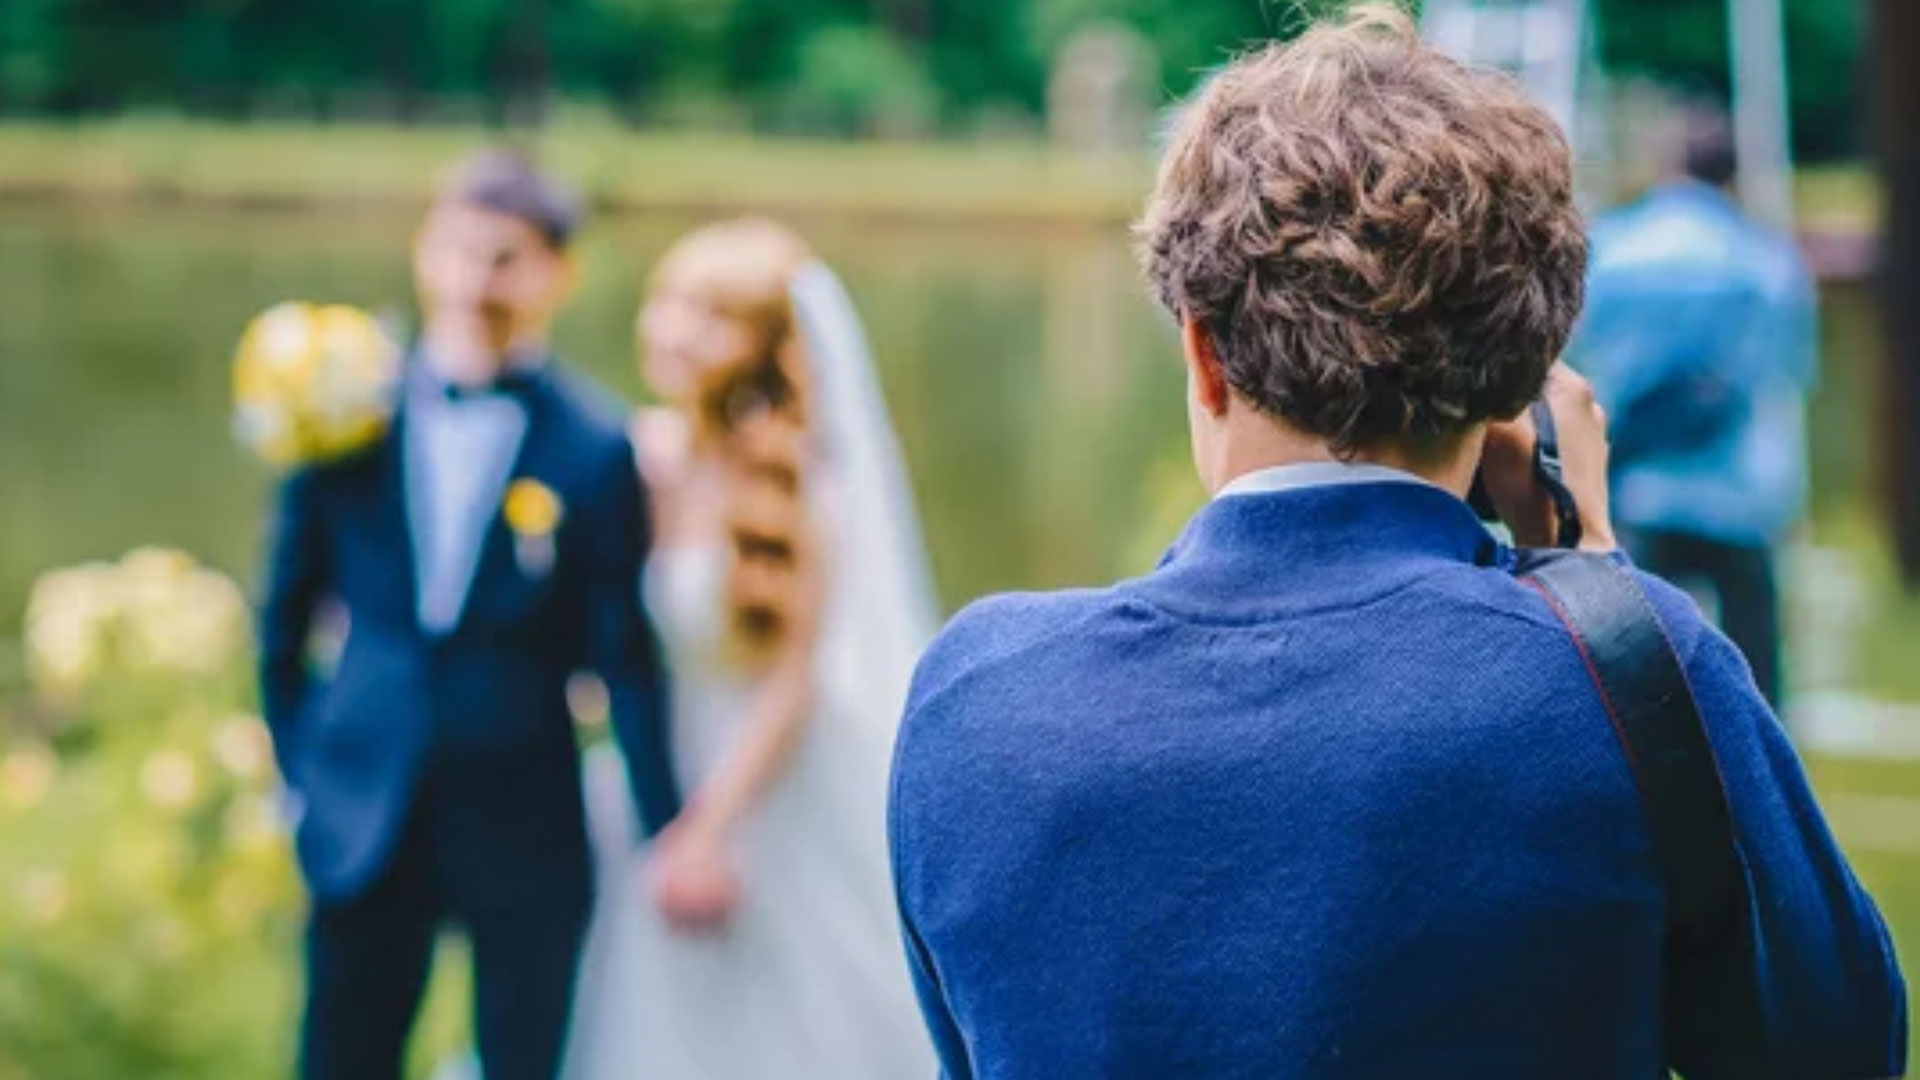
[808, 978]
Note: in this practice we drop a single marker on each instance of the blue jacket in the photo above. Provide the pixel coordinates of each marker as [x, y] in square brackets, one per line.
[1328, 795]
[1683, 287]
[474, 721]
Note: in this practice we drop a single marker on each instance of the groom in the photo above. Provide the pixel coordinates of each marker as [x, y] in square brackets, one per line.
[487, 549]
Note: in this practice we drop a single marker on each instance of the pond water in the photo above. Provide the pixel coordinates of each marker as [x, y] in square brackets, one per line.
[1035, 387]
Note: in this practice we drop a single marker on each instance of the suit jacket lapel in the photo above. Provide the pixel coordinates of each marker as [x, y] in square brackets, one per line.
[388, 516]
[496, 568]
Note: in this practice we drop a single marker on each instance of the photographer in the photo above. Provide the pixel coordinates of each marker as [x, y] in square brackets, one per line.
[1335, 792]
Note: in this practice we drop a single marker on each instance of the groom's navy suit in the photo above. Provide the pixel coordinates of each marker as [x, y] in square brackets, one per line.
[434, 770]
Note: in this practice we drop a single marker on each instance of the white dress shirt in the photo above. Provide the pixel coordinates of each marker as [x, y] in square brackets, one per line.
[459, 456]
[1316, 474]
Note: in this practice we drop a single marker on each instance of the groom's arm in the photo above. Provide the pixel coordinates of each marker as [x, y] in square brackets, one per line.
[296, 577]
[621, 643]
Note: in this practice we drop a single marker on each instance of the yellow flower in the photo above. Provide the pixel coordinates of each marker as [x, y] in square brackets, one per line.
[155, 610]
[26, 775]
[171, 779]
[179, 616]
[192, 625]
[532, 509]
[155, 566]
[242, 745]
[44, 895]
[70, 615]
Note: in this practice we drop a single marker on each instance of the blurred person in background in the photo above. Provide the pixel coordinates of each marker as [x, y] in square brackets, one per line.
[1332, 792]
[482, 552]
[1700, 339]
[790, 583]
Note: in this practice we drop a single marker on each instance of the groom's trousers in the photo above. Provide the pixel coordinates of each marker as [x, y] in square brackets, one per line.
[368, 958]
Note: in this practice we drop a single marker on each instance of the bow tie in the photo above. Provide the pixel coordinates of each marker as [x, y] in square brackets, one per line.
[516, 384]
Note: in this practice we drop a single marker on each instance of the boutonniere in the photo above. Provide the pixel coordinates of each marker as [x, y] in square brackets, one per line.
[533, 513]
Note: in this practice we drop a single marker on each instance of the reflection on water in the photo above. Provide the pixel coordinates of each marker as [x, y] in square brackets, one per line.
[1034, 384]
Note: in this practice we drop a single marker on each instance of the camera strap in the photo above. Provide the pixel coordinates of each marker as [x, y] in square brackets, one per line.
[1552, 474]
[1549, 471]
[1644, 689]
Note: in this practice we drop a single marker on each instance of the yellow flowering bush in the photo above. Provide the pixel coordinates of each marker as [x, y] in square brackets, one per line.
[313, 382]
[150, 910]
[155, 612]
[148, 900]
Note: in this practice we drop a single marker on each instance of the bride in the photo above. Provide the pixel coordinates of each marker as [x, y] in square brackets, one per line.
[757, 938]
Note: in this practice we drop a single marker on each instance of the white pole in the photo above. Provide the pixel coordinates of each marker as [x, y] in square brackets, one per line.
[1760, 109]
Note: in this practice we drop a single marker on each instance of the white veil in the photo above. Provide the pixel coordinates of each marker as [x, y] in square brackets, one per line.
[881, 607]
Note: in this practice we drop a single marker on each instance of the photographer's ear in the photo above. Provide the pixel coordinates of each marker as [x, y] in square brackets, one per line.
[1204, 372]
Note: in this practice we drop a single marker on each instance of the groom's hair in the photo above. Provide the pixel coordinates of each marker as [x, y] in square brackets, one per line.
[1379, 241]
[508, 182]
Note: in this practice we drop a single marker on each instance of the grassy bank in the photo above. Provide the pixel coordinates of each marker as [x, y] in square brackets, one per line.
[618, 168]
[165, 158]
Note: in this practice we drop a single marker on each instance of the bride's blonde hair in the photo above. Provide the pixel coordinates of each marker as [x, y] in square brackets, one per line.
[753, 409]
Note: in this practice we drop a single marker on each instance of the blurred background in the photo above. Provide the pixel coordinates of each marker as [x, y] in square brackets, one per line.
[168, 168]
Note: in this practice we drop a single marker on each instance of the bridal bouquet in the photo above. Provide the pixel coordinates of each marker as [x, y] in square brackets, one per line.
[312, 383]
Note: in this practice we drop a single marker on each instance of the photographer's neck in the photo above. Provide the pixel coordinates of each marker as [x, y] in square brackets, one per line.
[1247, 441]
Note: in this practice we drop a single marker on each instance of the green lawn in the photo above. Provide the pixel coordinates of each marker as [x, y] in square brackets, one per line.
[1874, 809]
[167, 157]
[161, 158]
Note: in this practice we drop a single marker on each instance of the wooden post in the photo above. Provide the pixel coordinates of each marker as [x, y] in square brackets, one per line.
[1895, 25]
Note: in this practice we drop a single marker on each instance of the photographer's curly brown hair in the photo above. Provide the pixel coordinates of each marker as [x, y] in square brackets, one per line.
[1380, 242]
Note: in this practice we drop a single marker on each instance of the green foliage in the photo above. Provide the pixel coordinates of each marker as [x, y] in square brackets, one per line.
[1685, 42]
[828, 65]
[849, 77]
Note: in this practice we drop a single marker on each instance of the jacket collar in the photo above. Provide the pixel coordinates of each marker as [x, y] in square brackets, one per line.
[1311, 548]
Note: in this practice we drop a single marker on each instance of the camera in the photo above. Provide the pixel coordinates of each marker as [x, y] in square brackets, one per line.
[1551, 474]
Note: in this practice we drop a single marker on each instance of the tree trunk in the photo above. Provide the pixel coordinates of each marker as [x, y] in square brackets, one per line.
[1896, 24]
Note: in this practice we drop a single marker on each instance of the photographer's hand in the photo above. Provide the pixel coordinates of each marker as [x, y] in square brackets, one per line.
[1507, 467]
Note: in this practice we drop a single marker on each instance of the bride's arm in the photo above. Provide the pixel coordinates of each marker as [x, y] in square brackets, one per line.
[696, 881]
[783, 701]
[780, 709]
[774, 732]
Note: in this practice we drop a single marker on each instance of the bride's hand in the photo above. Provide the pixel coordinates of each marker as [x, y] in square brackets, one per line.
[694, 882]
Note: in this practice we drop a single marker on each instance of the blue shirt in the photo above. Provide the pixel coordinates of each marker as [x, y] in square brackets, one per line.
[1330, 794]
[1683, 285]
